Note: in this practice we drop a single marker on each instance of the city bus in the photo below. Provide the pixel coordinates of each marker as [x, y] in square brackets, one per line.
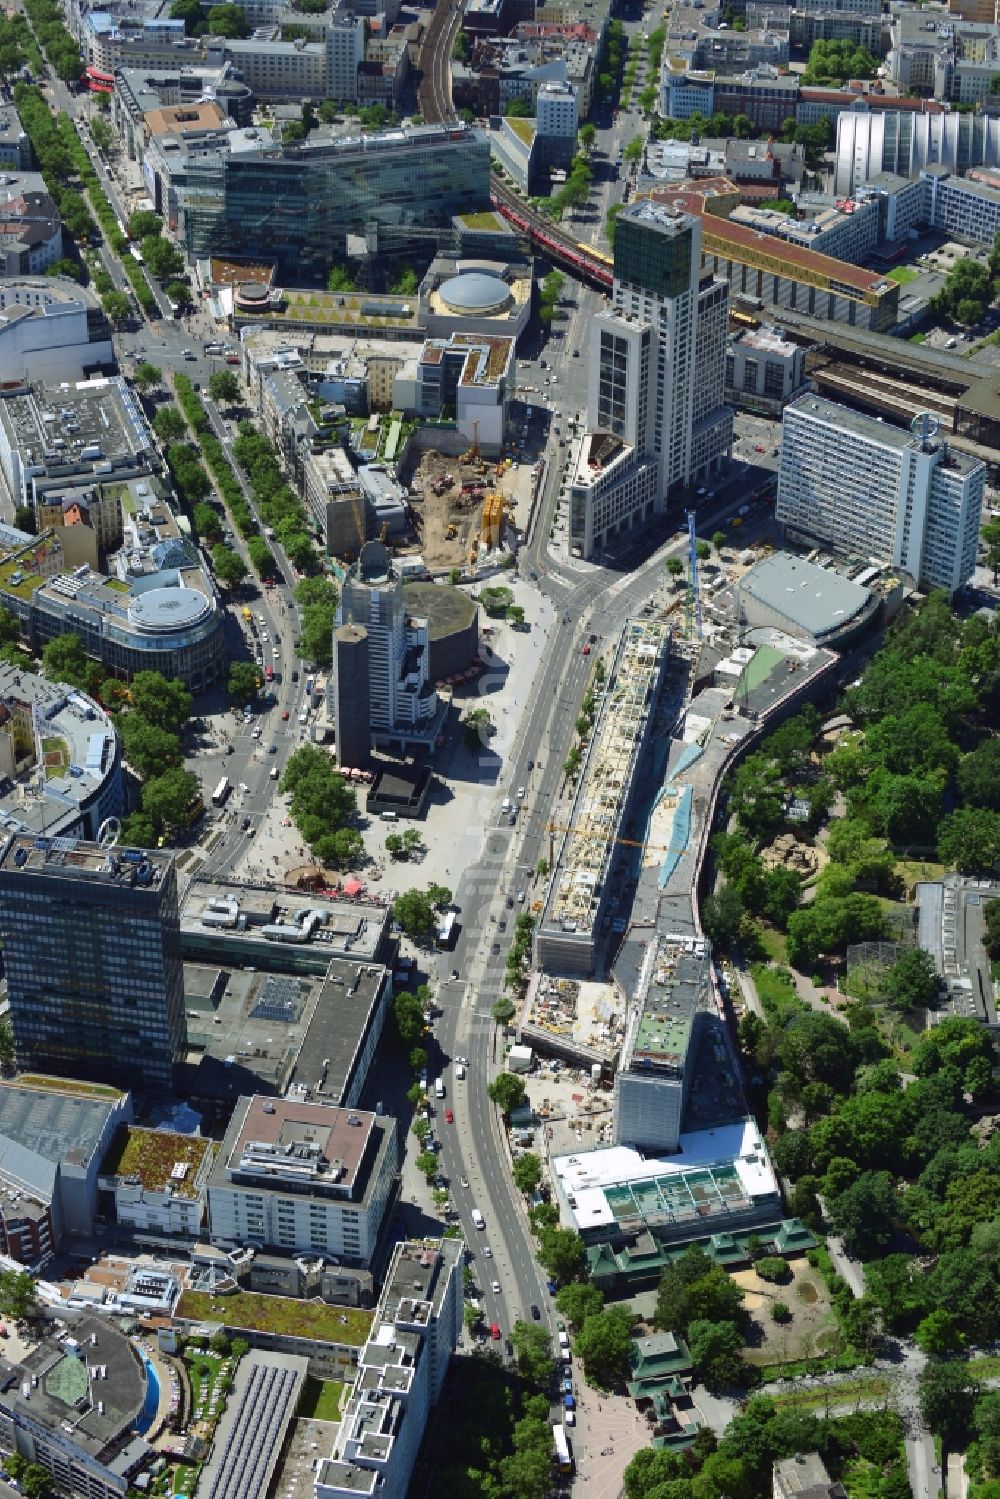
[562, 1460]
[221, 792]
[446, 931]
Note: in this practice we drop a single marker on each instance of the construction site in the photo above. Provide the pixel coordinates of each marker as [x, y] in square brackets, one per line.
[461, 508]
[577, 904]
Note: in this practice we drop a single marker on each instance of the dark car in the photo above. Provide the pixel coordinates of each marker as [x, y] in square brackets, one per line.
[295, 676]
[495, 949]
[536, 1312]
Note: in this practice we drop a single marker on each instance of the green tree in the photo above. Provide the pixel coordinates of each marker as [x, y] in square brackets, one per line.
[162, 258]
[722, 915]
[144, 222]
[969, 838]
[865, 1213]
[979, 776]
[118, 307]
[228, 21]
[168, 798]
[948, 1393]
[507, 1092]
[426, 1164]
[415, 913]
[317, 600]
[245, 681]
[162, 701]
[691, 1289]
[527, 1172]
[178, 292]
[149, 750]
[937, 1335]
[169, 425]
[340, 279]
[6, 1046]
[408, 1014]
[18, 1297]
[912, 981]
[321, 805]
[147, 376]
[716, 1352]
[504, 1010]
[533, 1350]
[579, 1300]
[561, 1251]
[206, 523]
[228, 566]
[604, 1344]
[224, 387]
[64, 660]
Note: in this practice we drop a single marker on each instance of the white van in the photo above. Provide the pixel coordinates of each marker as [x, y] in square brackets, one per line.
[563, 1336]
[478, 1218]
[439, 1088]
[460, 1071]
[505, 805]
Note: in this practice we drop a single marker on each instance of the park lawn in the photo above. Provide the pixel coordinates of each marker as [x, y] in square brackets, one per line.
[987, 1367]
[912, 870]
[903, 275]
[777, 993]
[867, 1387]
[774, 944]
[321, 1399]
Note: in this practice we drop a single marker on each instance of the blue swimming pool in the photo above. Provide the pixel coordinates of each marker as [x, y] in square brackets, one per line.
[146, 1416]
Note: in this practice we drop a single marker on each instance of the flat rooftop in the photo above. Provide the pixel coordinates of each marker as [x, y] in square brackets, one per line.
[250, 1437]
[871, 429]
[60, 1120]
[157, 1159]
[721, 236]
[94, 426]
[815, 599]
[66, 1394]
[60, 859]
[217, 917]
[716, 1171]
[675, 984]
[274, 1140]
[252, 1031]
[78, 746]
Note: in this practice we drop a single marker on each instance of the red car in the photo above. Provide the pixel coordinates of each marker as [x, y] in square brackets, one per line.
[586, 650]
[449, 1117]
[284, 716]
[758, 447]
[495, 1332]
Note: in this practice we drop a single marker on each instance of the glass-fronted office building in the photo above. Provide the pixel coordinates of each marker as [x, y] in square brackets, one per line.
[296, 205]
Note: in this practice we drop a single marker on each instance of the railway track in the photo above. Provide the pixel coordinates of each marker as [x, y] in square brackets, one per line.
[437, 107]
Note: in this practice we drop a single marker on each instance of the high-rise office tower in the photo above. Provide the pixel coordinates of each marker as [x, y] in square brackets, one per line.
[657, 416]
[91, 942]
[402, 704]
[880, 493]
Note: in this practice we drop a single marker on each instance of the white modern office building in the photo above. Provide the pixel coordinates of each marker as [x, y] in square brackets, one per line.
[876, 492]
[657, 417]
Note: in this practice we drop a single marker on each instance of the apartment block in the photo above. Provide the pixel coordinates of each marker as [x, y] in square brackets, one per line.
[401, 1372]
[764, 370]
[879, 493]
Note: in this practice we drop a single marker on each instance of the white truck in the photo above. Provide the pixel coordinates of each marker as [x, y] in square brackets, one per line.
[478, 1218]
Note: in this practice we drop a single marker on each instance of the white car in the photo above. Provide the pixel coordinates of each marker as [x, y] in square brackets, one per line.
[496, 1288]
[244, 786]
[488, 1252]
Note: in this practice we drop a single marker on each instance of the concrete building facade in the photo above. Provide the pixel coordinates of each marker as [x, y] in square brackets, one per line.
[880, 493]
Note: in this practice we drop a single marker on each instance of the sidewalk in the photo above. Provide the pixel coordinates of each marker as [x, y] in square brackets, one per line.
[608, 1434]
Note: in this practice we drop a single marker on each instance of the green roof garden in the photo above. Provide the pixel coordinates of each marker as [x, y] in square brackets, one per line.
[523, 129]
[279, 1315]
